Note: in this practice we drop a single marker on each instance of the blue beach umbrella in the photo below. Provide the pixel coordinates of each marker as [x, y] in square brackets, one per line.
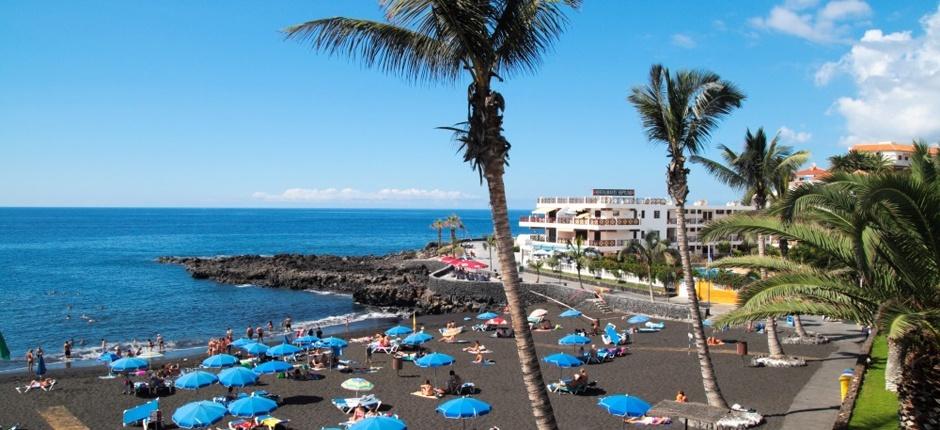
[273, 366]
[638, 319]
[379, 423]
[398, 331]
[332, 342]
[240, 342]
[128, 364]
[570, 313]
[435, 359]
[574, 339]
[251, 406]
[306, 340]
[487, 316]
[282, 350]
[41, 366]
[563, 361]
[708, 323]
[622, 405]
[417, 339]
[255, 348]
[195, 380]
[219, 361]
[198, 414]
[237, 377]
[108, 357]
[463, 408]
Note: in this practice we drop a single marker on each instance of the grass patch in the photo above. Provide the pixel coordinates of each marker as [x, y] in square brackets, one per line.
[875, 408]
[589, 279]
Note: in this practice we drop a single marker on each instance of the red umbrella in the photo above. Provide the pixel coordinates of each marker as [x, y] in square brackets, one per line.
[449, 260]
[471, 264]
[497, 321]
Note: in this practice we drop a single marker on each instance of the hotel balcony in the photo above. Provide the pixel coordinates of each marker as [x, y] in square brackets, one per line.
[603, 243]
[601, 200]
[586, 223]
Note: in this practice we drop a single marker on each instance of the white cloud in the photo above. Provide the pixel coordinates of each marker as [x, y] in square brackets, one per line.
[804, 19]
[683, 41]
[316, 195]
[897, 80]
[790, 135]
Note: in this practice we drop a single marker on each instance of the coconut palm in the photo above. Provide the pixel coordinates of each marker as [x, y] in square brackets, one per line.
[439, 226]
[537, 265]
[490, 244]
[447, 41]
[577, 255]
[650, 250]
[855, 161]
[757, 171]
[681, 111]
[454, 223]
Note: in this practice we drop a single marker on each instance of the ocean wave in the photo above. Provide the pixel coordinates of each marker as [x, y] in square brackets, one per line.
[343, 319]
[327, 293]
[245, 285]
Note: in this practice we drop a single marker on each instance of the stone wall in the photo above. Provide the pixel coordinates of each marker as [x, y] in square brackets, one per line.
[673, 311]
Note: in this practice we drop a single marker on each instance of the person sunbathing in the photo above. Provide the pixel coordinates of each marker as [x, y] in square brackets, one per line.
[359, 414]
[427, 389]
[681, 398]
[476, 348]
[714, 341]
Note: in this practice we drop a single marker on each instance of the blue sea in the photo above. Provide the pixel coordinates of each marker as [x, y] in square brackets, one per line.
[91, 274]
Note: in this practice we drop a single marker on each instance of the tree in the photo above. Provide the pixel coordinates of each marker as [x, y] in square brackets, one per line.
[681, 111]
[855, 161]
[554, 262]
[439, 226]
[757, 171]
[453, 223]
[491, 244]
[537, 265]
[650, 250]
[446, 41]
[576, 254]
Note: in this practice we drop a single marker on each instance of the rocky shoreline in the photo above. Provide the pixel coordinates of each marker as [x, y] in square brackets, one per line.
[397, 280]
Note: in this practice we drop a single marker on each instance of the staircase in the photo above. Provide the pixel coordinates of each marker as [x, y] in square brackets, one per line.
[601, 306]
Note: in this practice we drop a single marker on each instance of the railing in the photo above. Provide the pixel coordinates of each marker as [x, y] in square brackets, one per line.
[581, 221]
[608, 242]
[608, 200]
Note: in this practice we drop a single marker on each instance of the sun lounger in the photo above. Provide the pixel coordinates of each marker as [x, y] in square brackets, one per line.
[451, 331]
[658, 326]
[269, 421]
[563, 388]
[241, 425]
[390, 349]
[612, 337]
[36, 384]
[349, 404]
[140, 413]
[648, 330]
[479, 327]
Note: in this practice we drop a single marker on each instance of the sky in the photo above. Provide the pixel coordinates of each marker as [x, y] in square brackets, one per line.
[205, 104]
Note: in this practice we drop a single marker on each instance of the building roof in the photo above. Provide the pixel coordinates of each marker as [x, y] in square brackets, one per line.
[813, 171]
[887, 147]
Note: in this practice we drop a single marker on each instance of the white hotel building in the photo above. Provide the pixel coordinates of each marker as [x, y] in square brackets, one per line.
[609, 219]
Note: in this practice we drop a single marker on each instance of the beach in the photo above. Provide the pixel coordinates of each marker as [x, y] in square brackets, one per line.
[658, 366]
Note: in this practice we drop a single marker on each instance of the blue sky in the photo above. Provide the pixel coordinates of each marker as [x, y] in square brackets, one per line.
[172, 103]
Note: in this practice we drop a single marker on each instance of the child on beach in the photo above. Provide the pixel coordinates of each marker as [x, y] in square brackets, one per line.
[128, 384]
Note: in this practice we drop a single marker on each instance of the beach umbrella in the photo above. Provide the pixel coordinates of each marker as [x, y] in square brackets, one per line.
[282, 350]
[237, 377]
[198, 414]
[357, 385]
[219, 361]
[251, 406]
[379, 423]
[195, 380]
[306, 340]
[255, 348]
[497, 321]
[471, 264]
[108, 357]
[638, 319]
[398, 331]
[574, 339]
[448, 259]
[128, 364]
[332, 342]
[417, 339]
[463, 408]
[487, 316]
[273, 366]
[622, 405]
[434, 360]
[563, 361]
[240, 342]
[41, 366]
[538, 313]
[570, 313]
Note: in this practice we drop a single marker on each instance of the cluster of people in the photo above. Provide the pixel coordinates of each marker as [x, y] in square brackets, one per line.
[465, 275]
[454, 383]
[219, 345]
[478, 350]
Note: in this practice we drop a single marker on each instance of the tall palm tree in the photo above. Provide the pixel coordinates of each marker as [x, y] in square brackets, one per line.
[446, 41]
[854, 161]
[650, 250]
[577, 255]
[757, 171]
[490, 243]
[681, 111]
[439, 226]
[454, 223]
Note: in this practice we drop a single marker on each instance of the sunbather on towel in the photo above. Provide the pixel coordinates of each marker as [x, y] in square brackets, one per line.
[476, 348]
[428, 390]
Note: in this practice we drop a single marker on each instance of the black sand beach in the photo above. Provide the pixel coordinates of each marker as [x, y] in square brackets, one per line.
[659, 365]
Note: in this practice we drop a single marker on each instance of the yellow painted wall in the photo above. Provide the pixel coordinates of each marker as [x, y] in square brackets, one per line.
[718, 295]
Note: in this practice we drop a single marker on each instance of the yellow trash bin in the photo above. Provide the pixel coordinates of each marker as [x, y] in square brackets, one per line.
[844, 380]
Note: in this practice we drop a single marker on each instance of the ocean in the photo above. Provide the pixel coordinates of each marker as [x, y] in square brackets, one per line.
[90, 274]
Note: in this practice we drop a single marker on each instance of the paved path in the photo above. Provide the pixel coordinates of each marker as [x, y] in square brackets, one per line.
[59, 418]
[817, 404]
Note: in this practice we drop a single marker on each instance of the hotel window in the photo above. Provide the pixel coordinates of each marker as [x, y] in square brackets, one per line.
[656, 214]
[643, 214]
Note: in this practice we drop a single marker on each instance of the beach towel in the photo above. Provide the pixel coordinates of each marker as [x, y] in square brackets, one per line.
[420, 394]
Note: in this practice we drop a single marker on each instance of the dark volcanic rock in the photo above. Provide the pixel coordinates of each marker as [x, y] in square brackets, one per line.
[395, 280]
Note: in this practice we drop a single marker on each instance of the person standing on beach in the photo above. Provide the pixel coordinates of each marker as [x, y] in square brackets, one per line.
[161, 343]
[260, 334]
[228, 334]
[67, 350]
[104, 346]
[30, 360]
[270, 326]
[287, 323]
[150, 345]
[250, 332]
[319, 332]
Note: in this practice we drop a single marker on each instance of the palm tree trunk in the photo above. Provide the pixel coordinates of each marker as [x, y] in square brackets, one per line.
[579, 277]
[440, 239]
[798, 325]
[773, 341]
[893, 365]
[709, 381]
[649, 277]
[453, 241]
[528, 360]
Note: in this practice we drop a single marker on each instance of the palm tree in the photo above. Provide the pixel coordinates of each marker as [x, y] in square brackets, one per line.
[681, 111]
[554, 262]
[650, 250]
[454, 223]
[439, 226]
[576, 254]
[855, 161]
[537, 265]
[445, 41]
[490, 244]
[757, 171]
